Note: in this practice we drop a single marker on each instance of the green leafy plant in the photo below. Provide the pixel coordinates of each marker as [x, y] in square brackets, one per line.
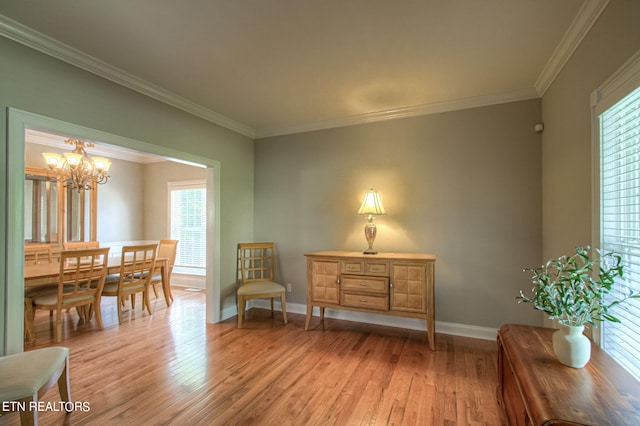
[568, 290]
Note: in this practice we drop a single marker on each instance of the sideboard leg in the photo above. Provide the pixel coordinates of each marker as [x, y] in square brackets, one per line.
[431, 334]
[309, 315]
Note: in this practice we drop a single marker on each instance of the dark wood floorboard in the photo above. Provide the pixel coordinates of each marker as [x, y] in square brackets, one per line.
[173, 368]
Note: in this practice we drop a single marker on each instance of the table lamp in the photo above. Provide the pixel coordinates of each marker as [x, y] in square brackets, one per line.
[371, 205]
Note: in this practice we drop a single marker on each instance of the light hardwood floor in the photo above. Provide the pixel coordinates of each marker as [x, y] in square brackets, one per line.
[172, 368]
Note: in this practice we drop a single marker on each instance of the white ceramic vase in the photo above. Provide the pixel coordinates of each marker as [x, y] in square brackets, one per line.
[571, 347]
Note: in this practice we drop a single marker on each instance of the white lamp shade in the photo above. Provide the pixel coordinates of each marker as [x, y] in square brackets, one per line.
[53, 160]
[73, 159]
[101, 163]
[371, 204]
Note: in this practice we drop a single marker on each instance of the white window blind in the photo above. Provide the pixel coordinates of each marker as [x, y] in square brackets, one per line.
[188, 224]
[620, 221]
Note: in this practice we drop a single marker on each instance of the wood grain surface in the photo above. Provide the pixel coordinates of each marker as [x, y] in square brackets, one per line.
[173, 368]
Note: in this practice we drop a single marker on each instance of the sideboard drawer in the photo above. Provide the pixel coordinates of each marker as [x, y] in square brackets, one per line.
[365, 284]
[365, 267]
[352, 266]
[380, 268]
[366, 300]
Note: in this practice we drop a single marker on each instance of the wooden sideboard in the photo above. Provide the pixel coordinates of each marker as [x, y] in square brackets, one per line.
[399, 284]
[535, 389]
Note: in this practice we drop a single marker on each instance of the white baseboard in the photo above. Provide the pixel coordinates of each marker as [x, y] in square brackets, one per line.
[188, 280]
[464, 330]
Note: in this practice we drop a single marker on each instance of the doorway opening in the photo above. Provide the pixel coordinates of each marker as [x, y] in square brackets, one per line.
[20, 124]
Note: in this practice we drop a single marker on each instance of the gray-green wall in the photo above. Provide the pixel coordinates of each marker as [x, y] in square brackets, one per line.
[34, 82]
[463, 185]
[566, 142]
[470, 186]
[476, 187]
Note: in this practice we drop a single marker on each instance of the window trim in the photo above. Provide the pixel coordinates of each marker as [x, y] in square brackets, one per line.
[615, 88]
[182, 185]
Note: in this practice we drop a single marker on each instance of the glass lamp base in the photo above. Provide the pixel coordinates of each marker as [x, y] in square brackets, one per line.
[370, 235]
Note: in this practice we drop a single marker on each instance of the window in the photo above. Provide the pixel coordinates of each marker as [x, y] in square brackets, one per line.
[618, 121]
[188, 224]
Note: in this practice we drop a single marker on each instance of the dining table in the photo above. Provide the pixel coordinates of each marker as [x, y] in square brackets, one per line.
[46, 273]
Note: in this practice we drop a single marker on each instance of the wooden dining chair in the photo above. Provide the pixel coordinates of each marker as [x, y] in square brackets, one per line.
[81, 280]
[80, 245]
[167, 249]
[36, 253]
[255, 267]
[136, 267]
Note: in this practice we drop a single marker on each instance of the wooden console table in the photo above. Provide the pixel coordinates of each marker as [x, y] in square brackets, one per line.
[535, 389]
[385, 283]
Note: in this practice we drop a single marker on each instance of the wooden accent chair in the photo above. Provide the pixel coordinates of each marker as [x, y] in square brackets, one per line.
[25, 377]
[80, 245]
[82, 277]
[136, 268]
[255, 269]
[166, 249]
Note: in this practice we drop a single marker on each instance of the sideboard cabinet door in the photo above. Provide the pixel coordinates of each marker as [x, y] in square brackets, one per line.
[324, 276]
[408, 287]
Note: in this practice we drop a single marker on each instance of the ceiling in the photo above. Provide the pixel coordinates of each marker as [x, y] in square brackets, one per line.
[270, 67]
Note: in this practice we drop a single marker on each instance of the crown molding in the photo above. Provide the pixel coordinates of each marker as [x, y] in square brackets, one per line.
[413, 111]
[24, 35]
[579, 28]
[582, 23]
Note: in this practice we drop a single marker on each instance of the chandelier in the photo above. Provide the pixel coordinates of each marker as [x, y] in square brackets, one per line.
[76, 168]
